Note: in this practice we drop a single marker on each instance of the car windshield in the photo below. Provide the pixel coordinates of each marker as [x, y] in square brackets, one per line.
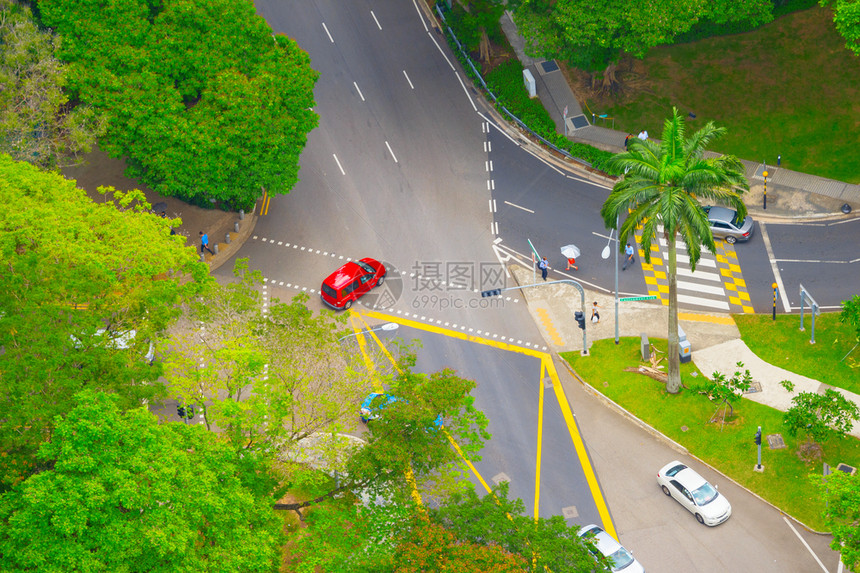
[365, 267]
[620, 559]
[705, 494]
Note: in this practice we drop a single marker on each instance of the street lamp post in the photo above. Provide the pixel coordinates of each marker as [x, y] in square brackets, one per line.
[605, 255]
[498, 292]
[386, 326]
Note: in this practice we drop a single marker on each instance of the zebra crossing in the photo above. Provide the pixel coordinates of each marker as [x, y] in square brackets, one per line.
[717, 284]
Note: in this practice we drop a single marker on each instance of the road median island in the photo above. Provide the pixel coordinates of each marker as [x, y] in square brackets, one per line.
[693, 421]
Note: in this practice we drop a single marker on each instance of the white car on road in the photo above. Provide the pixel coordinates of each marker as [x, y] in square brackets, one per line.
[619, 558]
[694, 493]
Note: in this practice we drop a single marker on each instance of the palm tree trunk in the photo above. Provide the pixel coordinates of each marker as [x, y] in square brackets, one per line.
[673, 382]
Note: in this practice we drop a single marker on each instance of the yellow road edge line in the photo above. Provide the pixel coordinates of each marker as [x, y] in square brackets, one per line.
[539, 437]
[455, 334]
[380, 344]
[371, 367]
[467, 462]
[579, 445]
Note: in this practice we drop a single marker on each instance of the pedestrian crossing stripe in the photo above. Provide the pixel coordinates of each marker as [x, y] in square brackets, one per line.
[725, 270]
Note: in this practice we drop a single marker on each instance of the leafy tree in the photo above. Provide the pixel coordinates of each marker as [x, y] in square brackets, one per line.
[842, 514]
[593, 34]
[547, 544]
[662, 185]
[38, 124]
[430, 547]
[729, 390]
[201, 97]
[266, 378]
[77, 277]
[821, 415]
[125, 493]
[846, 15]
[850, 314]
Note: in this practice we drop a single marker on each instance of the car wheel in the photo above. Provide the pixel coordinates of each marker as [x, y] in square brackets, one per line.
[731, 240]
[348, 305]
[700, 519]
[665, 490]
[380, 281]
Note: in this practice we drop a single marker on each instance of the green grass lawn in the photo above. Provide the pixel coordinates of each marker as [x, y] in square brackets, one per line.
[783, 344]
[789, 88]
[728, 447]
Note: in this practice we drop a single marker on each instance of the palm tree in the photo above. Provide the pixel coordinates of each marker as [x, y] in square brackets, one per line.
[662, 185]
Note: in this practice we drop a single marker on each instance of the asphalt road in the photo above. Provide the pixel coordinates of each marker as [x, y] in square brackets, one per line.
[403, 168]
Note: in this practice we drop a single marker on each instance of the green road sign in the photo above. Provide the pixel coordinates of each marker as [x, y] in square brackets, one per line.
[629, 298]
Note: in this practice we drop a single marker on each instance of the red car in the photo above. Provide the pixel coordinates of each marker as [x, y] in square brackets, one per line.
[344, 286]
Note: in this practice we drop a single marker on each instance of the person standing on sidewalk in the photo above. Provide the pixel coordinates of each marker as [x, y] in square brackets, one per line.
[643, 135]
[204, 243]
[543, 265]
[628, 250]
[595, 315]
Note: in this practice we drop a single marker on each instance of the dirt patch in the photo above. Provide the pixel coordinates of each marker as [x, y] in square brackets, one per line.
[809, 452]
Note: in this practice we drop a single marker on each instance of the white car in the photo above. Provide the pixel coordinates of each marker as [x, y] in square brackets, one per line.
[694, 493]
[119, 341]
[619, 558]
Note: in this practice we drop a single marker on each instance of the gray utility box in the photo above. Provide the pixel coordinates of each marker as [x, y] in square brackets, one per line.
[529, 80]
[684, 348]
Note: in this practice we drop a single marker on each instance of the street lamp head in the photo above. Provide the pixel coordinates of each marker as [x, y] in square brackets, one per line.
[605, 254]
[390, 326]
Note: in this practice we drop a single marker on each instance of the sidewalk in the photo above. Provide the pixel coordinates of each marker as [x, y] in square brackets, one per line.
[789, 194]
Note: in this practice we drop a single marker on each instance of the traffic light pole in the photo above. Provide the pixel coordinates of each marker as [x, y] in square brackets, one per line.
[758, 442]
[579, 316]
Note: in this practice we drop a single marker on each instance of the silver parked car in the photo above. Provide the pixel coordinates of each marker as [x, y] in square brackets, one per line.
[695, 493]
[726, 225]
[619, 558]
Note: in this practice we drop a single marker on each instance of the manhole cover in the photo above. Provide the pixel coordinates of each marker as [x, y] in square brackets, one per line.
[549, 66]
[578, 121]
[775, 441]
[754, 387]
[847, 469]
[569, 512]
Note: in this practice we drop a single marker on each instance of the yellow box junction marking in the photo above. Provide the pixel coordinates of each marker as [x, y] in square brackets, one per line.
[547, 366]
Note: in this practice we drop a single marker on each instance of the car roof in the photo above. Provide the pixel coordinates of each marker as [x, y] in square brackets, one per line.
[344, 275]
[605, 543]
[721, 214]
[690, 479]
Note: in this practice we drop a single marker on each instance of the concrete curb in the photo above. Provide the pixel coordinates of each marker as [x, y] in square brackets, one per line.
[225, 251]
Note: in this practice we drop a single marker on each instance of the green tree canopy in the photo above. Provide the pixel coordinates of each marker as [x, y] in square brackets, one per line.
[125, 493]
[200, 96]
[821, 415]
[77, 276]
[842, 516]
[592, 33]
[846, 15]
[661, 188]
[38, 124]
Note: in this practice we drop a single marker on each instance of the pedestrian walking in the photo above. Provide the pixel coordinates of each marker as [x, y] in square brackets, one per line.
[628, 250]
[543, 265]
[204, 243]
[571, 264]
[595, 314]
[643, 135]
[627, 140]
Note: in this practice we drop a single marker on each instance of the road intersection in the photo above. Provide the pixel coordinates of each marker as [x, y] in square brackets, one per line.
[410, 167]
